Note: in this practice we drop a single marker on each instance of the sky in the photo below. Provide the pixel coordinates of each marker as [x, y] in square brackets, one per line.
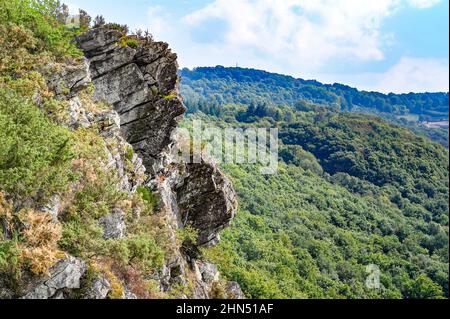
[395, 46]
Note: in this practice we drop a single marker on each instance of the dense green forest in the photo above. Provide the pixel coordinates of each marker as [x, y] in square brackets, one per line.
[208, 88]
[351, 190]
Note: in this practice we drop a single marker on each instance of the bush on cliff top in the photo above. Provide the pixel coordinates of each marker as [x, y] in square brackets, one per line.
[45, 19]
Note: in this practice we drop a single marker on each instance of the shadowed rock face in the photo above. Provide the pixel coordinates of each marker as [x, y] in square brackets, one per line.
[207, 200]
[142, 85]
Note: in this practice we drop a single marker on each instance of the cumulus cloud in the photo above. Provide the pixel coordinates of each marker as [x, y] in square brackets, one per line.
[303, 34]
[415, 75]
[423, 4]
[158, 19]
[409, 74]
[306, 34]
[307, 38]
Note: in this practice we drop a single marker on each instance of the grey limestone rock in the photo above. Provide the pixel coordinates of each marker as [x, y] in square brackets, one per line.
[66, 274]
[234, 291]
[208, 271]
[53, 207]
[127, 294]
[206, 200]
[67, 80]
[96, 43]
[141, 84]
[113, 224]
[99, 289]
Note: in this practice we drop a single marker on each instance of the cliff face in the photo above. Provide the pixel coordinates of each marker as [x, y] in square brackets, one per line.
[141, 83]
[124, 100]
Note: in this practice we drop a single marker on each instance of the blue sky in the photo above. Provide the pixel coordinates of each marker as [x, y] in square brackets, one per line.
[382, 45]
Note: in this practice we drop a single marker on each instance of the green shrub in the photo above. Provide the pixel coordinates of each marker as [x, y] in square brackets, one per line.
[129, 153]
[116, 26]
[140, 250]
[145, 252]
[10, 259]
[187, 234]
[133, 43]
[423, 288]
[41, 17]
[170, 96]
[150, 199]
[82, 238]
[119, 251]
[35, 154]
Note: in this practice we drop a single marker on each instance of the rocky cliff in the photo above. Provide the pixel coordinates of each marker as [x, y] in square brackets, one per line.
[141, 83]
[138, 84]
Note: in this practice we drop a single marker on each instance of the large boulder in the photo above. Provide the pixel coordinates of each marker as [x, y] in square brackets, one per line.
[66, 274]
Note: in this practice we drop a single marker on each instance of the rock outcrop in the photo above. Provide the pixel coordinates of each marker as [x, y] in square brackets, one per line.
[113, 224]
[66, 274]
[99, 289]
[67, 80]
[206, 200]
[141, 83]
[234, 291]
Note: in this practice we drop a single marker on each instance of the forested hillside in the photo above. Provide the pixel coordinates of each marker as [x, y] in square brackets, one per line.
[207, 88]
[351, 190]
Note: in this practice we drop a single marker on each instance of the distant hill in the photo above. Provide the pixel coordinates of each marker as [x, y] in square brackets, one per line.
[352, 190]
[239, 85]
[208, 88]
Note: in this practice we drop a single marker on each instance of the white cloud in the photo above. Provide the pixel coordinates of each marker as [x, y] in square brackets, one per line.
[423, 4]
[303, 34]
[415, 75]
[158, 21]
[409, 74]
[306, 34]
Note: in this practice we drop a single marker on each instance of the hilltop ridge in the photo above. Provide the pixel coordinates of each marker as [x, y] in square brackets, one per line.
[206, 88]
